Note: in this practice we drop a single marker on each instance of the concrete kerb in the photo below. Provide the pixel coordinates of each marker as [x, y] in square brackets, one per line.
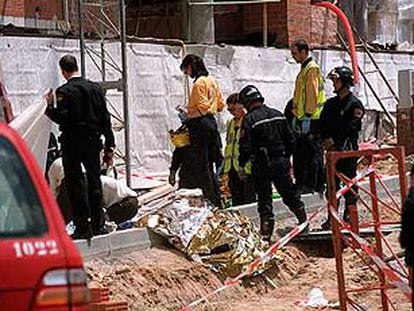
[137, 239]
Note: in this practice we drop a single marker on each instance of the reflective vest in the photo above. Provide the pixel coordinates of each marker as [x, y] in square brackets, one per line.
[300, 92]
[231, 152]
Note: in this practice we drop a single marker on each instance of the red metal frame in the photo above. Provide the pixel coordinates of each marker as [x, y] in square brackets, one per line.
[354, 241]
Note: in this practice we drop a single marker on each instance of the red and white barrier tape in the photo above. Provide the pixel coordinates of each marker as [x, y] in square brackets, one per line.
[260, 260]
[393, 277]
[354, 180]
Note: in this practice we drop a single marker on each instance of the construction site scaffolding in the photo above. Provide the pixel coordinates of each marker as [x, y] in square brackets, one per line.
[107, 20]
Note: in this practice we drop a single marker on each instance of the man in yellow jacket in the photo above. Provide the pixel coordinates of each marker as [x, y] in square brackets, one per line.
[308, 100]
[242, 191]
[204, 103]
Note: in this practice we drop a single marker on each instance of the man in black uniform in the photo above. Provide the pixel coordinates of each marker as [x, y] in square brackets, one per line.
[267, 140]
[83, 118]
[340, 124]
[407, 231]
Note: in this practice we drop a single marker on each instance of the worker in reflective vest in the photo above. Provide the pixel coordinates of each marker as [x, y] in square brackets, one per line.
[308, 101]
[242, 191]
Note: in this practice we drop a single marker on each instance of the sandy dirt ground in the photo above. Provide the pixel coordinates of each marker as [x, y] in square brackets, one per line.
[163, 279]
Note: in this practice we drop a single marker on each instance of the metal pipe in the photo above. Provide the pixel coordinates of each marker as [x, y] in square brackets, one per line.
[102, 45]
[66, 11]
[232, 2]
[347, 26]
[122, 10]
[81, 38]
[265, 25]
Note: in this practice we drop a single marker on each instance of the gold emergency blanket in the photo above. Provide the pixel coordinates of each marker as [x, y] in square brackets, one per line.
[225, 241]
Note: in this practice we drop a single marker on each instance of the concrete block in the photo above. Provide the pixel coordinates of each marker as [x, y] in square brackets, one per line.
[135, 239]
[99, 247]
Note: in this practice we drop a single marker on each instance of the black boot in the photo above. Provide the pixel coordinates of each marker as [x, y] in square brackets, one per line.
[266, 228]
[346, 217]
[326, 225]
[301, 215]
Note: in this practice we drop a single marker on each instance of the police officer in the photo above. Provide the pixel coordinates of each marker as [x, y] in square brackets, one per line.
[340, 124]
[407, 230]
[83, 118]
[268, 141]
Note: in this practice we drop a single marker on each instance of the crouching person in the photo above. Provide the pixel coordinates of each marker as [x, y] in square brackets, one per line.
[120, 203]
[267, 140]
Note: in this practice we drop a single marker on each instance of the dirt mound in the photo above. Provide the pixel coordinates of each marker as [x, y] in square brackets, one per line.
[162, 279]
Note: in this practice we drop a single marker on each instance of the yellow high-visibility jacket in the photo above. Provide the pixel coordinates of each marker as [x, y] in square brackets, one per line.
[309, 94]
[231, 152]
[205, 98]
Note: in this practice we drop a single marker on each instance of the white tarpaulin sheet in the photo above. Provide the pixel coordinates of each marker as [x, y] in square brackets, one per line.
[34, 127]
[32, 124]
[156, 84]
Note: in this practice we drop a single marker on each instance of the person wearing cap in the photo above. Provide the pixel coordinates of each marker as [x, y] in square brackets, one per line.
[308, 100]
[267, 140]
[242, 191]
[183, 161]
[79, 108]
[340, 124]
[204, 103]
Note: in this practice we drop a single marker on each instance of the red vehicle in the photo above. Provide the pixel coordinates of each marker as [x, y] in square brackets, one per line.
[40, 266]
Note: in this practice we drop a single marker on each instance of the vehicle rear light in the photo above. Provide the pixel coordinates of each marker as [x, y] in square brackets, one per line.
[62, 288]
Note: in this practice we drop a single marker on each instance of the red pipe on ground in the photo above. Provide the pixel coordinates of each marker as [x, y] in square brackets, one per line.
[348, 30]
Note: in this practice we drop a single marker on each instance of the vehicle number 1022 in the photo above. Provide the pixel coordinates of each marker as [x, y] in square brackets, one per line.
[37, 248]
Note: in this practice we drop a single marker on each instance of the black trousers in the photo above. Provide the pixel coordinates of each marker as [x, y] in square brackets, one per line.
[242, 192]
[276, 171]
[86, 200]
[206, 143]
[347, 167]
[308, 163]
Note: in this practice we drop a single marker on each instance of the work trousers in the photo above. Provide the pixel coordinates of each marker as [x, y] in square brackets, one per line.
[308, 163]
[347, 167]
[86, 200]
[275, 170]
[206, 143]
[242, 191]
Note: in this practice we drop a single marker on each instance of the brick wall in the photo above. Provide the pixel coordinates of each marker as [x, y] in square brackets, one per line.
[289, 20]
[13, 8]
[46, 9]
[315, 25]
[277, 20]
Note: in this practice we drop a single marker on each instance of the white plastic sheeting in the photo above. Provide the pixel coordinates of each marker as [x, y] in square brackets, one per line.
[406, 23]
[156, 84]
[34, 127]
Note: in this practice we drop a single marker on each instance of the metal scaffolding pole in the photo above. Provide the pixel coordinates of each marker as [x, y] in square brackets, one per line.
[97, 16]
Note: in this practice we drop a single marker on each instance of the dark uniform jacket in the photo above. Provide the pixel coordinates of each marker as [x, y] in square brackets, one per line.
[341, 120]
[407, 226]
[81, 111]
[266, 129]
